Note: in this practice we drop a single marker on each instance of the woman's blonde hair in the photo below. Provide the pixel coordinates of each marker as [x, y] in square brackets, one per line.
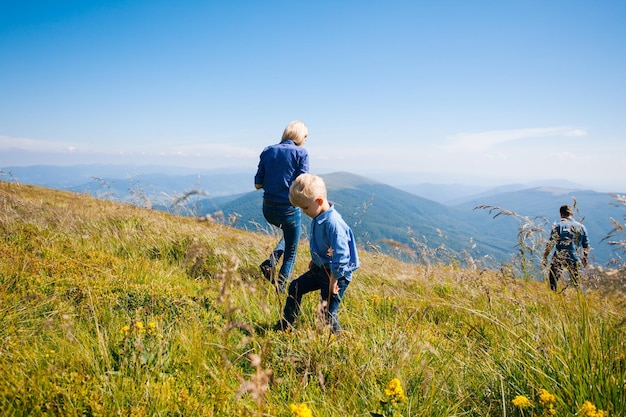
[306, 188]
[297, 132]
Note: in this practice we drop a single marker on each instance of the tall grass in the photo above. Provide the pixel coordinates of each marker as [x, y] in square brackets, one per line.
[108, 309]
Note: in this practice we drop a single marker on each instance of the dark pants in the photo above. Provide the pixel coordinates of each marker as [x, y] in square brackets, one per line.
[289, 219]
[314, 279]
[559, 264]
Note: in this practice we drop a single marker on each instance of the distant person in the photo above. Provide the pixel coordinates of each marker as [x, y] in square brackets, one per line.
[279, 166]
[333, 253]
[567, 235]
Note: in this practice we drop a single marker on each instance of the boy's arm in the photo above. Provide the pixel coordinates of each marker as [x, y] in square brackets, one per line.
[340, 252]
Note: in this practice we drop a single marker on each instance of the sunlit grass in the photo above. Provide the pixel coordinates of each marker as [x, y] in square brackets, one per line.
[107, 309]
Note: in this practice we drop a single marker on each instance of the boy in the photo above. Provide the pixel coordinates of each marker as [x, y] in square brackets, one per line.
[333, 252]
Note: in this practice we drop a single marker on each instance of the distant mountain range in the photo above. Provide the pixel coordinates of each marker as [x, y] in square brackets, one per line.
[453, 194]
[386, 217]
[383, 218]
[125, 182]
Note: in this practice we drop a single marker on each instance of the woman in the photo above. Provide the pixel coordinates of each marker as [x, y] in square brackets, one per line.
[279, 166]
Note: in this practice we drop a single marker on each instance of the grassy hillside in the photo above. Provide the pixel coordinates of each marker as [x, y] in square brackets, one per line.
[108, 309]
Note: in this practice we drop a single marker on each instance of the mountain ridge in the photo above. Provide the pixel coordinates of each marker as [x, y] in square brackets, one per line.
[382, 215]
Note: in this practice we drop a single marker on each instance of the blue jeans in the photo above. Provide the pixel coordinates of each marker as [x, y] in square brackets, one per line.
[288, 218]
[316, 278]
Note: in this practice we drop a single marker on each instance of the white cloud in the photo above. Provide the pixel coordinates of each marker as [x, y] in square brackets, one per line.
[483, 141]
[564, 156]
[208, 150]
[497, 156]
[213, 149]
[35, 145]
[576, 133]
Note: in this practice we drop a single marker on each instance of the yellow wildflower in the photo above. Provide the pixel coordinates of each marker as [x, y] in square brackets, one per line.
[139, 327]
[545, 398]
[300, 410]
[521, 402]
[152, 328]
[547, 402]
[125, 330]
[590, 410]
[394, 391]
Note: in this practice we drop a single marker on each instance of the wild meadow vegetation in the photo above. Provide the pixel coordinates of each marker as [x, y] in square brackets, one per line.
[113, 310]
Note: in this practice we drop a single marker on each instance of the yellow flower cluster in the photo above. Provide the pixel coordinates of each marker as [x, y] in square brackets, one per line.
[125, 330]
[394, 391]
[547, 402]
[521, 402]
[300, 410]
[589, 410]
[139, 328]
[545, 398]
[377, 299]
[152, 328]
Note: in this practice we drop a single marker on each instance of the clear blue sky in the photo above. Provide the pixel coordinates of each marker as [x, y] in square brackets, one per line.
[483, 92]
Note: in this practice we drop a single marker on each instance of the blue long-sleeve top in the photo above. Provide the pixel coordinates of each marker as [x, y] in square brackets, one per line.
[333, 245]
[279, 165]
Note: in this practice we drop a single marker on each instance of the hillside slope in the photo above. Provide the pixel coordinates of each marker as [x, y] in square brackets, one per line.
[109, 309]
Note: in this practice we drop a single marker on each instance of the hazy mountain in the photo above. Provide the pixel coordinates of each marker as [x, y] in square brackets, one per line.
[443, 193]
[127, 182]
[454, 194]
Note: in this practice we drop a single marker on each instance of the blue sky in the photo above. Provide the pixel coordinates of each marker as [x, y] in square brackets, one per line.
[475, 92]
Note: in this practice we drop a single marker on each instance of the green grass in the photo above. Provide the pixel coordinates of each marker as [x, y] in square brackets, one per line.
[108, 309]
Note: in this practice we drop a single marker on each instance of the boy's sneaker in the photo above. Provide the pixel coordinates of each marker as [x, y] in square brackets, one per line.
[267, 270]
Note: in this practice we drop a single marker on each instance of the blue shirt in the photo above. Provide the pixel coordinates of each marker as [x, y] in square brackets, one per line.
[279, 165]
[332, 244]
[567, 235]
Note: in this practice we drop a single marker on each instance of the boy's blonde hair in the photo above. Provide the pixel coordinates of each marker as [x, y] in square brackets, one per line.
[306, 188]
[297, 132]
